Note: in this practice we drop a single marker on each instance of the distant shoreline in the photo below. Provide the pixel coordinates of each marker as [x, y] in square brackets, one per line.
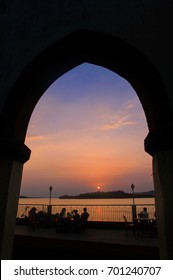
[102, 195]
[107, 195]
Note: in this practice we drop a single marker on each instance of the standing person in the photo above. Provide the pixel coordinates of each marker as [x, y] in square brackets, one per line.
[84, 218]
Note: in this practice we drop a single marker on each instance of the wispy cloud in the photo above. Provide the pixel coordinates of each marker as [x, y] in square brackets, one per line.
[117, 122]
[34, 138]
[131, 105]
[78, 135]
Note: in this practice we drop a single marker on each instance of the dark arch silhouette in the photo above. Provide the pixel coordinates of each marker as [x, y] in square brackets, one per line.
[67, 53]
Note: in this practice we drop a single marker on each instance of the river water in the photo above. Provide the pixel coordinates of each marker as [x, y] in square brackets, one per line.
[99, 209]
[106, 201]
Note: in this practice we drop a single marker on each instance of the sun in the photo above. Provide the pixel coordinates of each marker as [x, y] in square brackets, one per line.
[98, 188]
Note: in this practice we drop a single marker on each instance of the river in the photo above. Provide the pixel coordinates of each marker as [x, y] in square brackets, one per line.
[99, 209]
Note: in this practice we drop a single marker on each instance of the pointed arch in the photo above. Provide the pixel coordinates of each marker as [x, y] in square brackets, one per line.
[96, 48]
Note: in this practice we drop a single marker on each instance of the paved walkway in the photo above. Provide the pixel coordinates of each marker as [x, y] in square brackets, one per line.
[93, 243]
[111, 236]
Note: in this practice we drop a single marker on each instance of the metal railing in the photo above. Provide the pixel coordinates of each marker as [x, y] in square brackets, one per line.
[100, 213]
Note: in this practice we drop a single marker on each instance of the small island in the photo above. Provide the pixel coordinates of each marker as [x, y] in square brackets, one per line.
[110, 194]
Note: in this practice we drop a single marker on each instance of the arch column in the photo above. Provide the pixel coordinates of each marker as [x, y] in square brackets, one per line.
[159, 145]
[163, 181]
[12, 157]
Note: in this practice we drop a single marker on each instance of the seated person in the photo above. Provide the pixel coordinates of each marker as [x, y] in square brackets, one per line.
[62, 221]
[33, 218]
[76, 220]
[143, 213]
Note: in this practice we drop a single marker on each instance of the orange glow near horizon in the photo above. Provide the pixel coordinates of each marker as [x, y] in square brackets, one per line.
[85, 134]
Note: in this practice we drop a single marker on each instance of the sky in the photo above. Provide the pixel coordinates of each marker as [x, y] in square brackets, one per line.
[87, 133]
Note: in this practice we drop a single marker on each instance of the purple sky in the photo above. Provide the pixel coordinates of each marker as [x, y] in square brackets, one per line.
[86, 131]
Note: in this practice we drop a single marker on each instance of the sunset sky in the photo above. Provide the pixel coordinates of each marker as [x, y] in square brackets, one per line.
[87, 130]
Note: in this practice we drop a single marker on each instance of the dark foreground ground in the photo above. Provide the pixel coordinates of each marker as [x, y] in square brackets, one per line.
[94, 243]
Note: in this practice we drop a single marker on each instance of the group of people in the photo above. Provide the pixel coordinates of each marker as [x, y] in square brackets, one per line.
[73, 221]
[65, 221]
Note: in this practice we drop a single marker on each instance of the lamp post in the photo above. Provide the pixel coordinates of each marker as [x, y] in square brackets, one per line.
[133, 206]
[49, 206]
[50, 189]
[133, 187]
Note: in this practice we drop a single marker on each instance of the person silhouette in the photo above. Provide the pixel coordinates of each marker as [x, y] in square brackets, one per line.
[84, 218]
[61, 221]
[33, 218]
[75, 220]
[143, 213]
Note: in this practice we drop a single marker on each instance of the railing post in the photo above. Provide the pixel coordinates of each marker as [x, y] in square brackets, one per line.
[49, 209]
[134, 215]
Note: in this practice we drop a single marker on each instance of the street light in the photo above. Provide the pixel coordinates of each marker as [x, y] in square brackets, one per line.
[134, 215]
[50, 189]
[133, 187]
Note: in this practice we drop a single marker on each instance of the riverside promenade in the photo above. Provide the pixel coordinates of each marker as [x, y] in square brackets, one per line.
[93, 243]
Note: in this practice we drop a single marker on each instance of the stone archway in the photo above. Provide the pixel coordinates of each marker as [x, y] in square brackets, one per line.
[111, 53]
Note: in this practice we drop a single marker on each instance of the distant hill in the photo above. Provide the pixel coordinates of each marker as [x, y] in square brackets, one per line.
[110, 194]
[147, 194]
